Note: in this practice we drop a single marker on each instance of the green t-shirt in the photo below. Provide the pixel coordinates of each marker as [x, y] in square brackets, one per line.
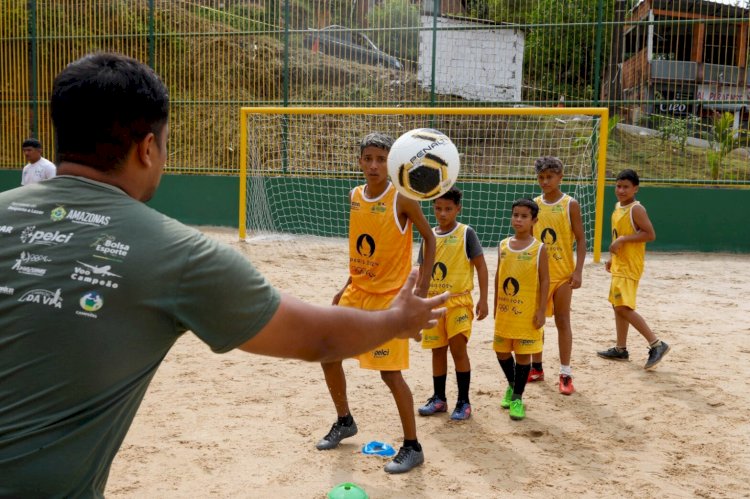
[95, 287]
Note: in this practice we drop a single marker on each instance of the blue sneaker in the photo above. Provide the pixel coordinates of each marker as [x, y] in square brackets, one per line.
[432, 406]
[462, 411]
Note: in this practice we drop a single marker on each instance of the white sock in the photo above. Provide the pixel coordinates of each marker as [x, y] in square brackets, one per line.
[566, 370]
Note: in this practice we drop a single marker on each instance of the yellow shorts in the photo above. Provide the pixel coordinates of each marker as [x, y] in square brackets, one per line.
[553, 286]
[622, 292]
[457, 320]
[522, 347]
[390, 356]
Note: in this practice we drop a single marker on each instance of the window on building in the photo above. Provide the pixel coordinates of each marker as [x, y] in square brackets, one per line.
[720, 44]
[672, 42]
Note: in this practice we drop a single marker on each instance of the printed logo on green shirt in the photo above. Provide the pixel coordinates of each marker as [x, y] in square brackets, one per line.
[91, 301]
[58, 214]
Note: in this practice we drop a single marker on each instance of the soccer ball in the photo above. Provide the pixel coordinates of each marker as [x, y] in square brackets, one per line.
[423, 164]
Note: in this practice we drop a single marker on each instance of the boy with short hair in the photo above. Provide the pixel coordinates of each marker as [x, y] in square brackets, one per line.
[458, 254]
[380, 254]
[559, 227]
[631, 230]
[521, 287]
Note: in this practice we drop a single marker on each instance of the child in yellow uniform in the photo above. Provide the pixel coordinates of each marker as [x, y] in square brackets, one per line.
[631, 230]
[380, 253]
[521, 286]
[559, 227]
[457, 255]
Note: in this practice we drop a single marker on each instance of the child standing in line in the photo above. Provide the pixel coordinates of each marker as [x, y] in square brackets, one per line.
[559, 227]
[521, 286]
[631, 230]
[458, 254]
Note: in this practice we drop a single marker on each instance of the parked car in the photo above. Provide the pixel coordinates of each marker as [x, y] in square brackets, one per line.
[344, 43]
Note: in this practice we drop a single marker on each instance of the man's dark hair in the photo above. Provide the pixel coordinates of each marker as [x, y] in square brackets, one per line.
[527, 202]
[31, 142]
[101, 105]
[453, 194]
[629, 174]
[376, 139]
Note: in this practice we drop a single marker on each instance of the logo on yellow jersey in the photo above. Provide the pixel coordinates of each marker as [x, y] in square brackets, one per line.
[439, 271]
[378, 208]
[511, 286]
[549, 236]
[366, 245]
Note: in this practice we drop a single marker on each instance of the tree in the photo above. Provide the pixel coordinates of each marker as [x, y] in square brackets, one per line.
[561, 48]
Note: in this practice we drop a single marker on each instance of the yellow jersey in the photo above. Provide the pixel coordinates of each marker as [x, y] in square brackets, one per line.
[452, 271]
[629, 261]
[518, 292]
[380, 250]
[554, 229]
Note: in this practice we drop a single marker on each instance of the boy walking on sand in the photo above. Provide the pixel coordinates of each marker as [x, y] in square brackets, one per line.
[631, 230]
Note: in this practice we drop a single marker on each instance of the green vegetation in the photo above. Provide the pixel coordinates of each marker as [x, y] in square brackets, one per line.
[403, 44]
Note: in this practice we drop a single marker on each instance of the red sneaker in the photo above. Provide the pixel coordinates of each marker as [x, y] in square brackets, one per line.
[566, 385]
[535, 375]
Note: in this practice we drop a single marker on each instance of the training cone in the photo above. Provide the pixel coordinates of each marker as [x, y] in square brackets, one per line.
[347, 491]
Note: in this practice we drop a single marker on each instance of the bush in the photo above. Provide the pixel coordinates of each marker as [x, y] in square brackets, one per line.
[401, 43]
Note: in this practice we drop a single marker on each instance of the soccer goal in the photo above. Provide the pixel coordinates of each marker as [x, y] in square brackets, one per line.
[298, 164]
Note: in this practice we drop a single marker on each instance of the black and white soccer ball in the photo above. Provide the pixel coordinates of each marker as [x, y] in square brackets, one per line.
[423, 164]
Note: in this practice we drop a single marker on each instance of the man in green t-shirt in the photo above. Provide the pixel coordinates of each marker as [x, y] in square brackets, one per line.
[96, 287]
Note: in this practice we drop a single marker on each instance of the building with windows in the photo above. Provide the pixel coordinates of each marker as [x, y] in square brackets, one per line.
[685, 57]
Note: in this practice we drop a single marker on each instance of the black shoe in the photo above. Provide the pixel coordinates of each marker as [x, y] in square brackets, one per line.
[337, 434]
[614, 353]
[655, 354]
[406, 459]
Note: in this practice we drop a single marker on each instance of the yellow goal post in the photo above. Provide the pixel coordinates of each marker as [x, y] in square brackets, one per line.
[297, 164]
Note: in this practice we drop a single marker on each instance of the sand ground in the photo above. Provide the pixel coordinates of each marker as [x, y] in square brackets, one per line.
[238, 425]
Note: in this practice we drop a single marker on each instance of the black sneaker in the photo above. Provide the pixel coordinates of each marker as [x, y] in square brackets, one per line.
[406, 460]
[614, 353]
[337, 434]
[655, 354]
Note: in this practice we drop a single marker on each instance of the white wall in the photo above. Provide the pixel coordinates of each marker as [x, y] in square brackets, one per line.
[475, 64]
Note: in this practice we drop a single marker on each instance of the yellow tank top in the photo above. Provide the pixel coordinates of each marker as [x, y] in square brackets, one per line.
[553, 228]
[379, 248]
[518, 292]
[452, 270]
[628, 262]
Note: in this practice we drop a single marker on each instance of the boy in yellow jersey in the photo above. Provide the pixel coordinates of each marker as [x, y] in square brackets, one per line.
[521, 287]
[457, 255]
[380, 259]
[631, 230]
[559, 226]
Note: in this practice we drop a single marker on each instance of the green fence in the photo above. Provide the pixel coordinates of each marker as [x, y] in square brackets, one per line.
[676, 70]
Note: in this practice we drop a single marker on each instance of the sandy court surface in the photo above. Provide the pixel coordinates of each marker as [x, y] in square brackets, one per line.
[238, 425]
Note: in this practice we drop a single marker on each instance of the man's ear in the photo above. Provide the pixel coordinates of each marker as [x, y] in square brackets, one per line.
[143, 148]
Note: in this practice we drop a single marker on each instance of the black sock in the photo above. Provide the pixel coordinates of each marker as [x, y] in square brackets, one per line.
[346, 420]
[509, 368]
[438, 382]
[413, 444]
[464, 380]
[522, 375]
[537, 365]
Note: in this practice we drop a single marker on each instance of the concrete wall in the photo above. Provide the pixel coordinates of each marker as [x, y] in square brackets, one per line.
[484, 64]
